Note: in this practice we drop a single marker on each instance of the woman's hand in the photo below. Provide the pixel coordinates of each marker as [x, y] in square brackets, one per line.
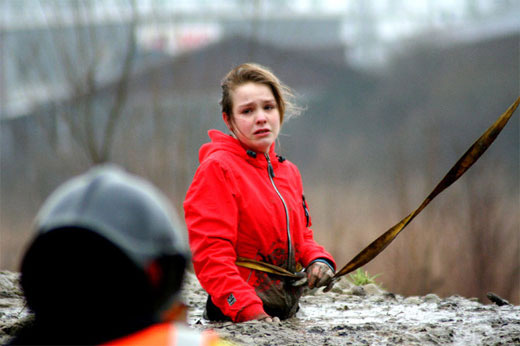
[269, 319]
[319, 274]
[263, 317]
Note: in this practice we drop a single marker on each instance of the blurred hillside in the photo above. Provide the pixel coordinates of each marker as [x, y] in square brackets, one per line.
[370, 146]
[450, 93]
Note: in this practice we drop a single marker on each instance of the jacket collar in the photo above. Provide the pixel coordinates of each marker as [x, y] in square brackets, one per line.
[222, 141]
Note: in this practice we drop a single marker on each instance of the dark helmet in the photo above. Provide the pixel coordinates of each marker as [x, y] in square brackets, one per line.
[97, 238]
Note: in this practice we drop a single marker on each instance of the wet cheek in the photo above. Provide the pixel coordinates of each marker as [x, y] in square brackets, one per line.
[244, 127]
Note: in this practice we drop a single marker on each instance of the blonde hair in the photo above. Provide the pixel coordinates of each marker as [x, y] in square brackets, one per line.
[251, 72]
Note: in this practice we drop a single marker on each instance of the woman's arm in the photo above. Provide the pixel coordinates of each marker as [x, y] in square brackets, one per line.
[211, 214]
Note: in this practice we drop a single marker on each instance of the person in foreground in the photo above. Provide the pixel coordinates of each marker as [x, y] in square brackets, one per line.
[106, 266]
[246, 201]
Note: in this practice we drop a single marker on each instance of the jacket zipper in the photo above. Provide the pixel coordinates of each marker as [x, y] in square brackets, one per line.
[270, 172]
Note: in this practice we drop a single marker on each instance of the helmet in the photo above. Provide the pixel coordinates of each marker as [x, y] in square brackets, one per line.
[97, 236]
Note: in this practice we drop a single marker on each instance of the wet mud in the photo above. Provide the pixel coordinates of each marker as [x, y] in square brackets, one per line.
[348, 315]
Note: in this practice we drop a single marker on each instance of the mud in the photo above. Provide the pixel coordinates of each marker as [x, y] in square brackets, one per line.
[349, 315]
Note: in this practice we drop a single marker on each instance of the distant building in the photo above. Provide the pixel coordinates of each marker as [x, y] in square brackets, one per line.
[48, 47]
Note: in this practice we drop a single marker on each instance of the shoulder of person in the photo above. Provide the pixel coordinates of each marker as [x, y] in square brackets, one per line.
[223, 161]
[284, 162]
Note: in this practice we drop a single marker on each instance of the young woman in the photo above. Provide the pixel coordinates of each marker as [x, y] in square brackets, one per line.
[245, 201]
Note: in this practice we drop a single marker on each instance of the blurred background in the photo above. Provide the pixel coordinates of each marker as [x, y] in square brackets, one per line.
[394, 92]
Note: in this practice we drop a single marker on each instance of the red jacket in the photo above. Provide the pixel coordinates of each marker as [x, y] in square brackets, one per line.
[235, 207]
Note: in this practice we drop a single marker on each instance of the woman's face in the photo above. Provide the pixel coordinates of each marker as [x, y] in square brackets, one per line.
[255, 119]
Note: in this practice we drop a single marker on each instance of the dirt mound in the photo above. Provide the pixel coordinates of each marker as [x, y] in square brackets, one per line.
[347, 315]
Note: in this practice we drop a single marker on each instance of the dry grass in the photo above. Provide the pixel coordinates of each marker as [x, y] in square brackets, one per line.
[465, 242]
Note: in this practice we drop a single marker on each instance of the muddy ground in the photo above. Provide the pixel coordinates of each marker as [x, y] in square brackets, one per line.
[349, 315]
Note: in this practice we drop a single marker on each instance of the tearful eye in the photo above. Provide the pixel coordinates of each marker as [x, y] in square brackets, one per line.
[269, 107]
[246, 111]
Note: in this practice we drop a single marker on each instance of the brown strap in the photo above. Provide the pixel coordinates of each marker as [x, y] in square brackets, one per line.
[264, 267]
[462, 165]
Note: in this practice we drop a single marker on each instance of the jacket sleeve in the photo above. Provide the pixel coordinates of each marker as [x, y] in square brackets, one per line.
[211, 215]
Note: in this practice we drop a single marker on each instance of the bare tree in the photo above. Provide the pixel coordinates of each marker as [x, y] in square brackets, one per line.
[95, 90]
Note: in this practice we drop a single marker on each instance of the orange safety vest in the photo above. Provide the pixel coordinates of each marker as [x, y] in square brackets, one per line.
[168, 334]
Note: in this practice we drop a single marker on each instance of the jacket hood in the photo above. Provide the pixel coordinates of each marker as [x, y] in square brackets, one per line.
[223, 142]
